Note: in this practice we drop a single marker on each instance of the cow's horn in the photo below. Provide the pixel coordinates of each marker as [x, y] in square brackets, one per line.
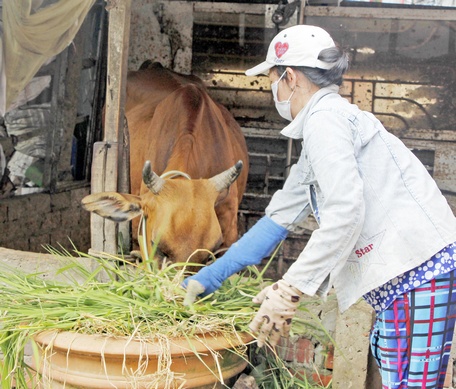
[151, 179]
[225, 179]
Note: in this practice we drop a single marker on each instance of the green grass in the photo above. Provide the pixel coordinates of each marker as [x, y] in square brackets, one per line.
[140, 303]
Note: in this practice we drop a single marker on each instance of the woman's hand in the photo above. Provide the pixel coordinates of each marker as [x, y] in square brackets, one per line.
[255, 244]
[279, 303]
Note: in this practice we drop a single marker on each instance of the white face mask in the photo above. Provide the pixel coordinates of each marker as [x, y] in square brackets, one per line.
[283, 107]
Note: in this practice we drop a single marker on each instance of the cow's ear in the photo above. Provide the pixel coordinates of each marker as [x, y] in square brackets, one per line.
[117, 207]
[222, 196]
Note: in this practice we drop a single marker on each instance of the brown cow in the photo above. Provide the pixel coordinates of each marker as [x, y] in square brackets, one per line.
[174, 124]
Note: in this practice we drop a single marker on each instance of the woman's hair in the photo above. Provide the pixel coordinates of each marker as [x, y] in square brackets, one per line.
[324, 77]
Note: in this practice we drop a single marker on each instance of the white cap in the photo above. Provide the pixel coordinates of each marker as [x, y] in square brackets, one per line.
[296, 46]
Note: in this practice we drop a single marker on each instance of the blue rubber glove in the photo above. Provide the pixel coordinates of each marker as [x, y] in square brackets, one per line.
[255, 244]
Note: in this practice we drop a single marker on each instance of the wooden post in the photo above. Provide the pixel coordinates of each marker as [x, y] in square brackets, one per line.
[70, 106]
[106, 153]
[123, 185]
[290, 140]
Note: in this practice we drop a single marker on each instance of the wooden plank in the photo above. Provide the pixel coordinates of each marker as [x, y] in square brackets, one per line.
[210, 7]
[404, 13]
[229, 19]
[105, 155]
[53, 139]
[69, 104]
[103, 232]
[96, 117]
[445, 166]
[118, 45]
[124, 185]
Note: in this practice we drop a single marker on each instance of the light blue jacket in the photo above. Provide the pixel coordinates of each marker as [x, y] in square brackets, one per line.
[379, 211]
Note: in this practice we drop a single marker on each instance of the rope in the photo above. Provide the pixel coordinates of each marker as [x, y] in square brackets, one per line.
[142, 238]
[175, 173]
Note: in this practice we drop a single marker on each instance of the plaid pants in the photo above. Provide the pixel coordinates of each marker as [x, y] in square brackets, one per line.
[411, 340]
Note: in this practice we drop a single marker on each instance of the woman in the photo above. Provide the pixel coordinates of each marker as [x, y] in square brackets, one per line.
[386, 233]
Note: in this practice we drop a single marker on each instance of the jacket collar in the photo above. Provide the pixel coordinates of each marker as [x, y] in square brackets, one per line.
[295, 129]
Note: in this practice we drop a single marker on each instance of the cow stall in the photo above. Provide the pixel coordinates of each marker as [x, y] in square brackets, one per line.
[404, 77]
[402, 71]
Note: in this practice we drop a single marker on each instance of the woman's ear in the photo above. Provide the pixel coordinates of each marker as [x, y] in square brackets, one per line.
[292, 78]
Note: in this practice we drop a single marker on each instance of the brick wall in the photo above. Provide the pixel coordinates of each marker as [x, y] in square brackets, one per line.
[267, 169]
[307, 359]
[28, 222]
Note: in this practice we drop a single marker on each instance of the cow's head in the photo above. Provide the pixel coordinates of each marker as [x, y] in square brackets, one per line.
[178, 215]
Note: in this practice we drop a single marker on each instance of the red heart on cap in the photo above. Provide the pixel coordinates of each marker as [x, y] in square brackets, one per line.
[280, 48]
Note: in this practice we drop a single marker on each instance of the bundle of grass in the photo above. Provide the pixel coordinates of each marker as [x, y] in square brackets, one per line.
[142, 306]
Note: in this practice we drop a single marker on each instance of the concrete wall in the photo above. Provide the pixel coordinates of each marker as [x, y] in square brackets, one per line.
[30, 221]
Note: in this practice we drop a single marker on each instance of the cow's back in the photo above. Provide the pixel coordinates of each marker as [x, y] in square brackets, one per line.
[151, 83]
[175, 124]
[200, 136]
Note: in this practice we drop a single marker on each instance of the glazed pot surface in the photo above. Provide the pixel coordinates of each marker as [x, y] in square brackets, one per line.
[95, 361]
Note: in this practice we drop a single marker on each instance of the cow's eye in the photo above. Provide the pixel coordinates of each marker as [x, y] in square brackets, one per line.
[161, 254]
[158, 252]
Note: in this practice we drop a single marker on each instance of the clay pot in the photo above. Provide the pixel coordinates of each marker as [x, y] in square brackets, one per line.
[73, 360]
